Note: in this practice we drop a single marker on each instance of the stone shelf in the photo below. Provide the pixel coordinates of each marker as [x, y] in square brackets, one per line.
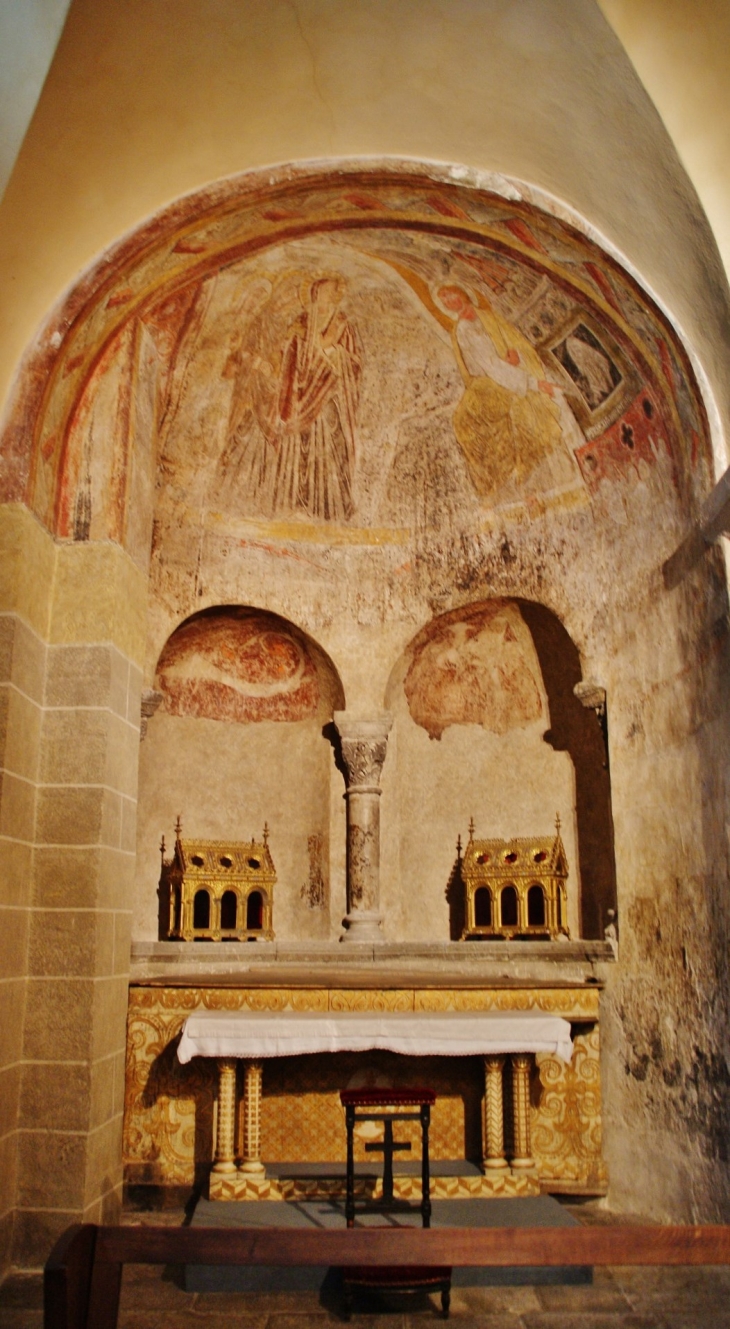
[387, 964]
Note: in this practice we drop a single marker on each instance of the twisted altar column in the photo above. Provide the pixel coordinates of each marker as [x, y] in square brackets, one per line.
[364, 745]
[493, 1134]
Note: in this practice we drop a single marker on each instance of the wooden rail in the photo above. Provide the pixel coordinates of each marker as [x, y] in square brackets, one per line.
[83, 1274]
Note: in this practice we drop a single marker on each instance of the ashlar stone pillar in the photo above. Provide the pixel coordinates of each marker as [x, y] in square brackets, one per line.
[364, 746]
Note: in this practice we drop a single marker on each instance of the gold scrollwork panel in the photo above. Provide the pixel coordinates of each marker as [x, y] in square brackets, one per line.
[571, 1003]
[304, 1121]
[566, 1118]
[168, 1114]
[370, 999]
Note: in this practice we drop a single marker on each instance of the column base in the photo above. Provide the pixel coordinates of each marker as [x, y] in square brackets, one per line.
[224, 1167]
[253, 1168]
[522, 1163]
[493, 1164]
[363, 925]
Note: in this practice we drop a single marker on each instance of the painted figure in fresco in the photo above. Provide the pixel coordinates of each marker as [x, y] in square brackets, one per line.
[291, 438]
[480, 669]
[511, 420]
[507, 421]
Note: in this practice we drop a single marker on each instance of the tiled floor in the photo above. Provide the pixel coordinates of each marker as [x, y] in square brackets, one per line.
[626, 1298]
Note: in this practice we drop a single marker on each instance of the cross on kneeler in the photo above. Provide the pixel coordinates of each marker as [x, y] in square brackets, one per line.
[372, 1100]
[388, 1147]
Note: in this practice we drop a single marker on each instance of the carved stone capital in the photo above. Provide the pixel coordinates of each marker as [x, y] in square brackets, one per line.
[150, 702]
[591, 695]
[364, 746]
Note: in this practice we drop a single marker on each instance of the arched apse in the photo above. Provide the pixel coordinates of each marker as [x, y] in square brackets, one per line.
[488, 727]
[178, 353]
[237, 741]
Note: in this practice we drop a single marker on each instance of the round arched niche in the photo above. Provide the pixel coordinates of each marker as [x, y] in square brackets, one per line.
[488, 727]
[236, 741]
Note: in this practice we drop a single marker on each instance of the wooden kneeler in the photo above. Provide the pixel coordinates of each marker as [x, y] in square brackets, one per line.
[396, 1278]
[377, 1105]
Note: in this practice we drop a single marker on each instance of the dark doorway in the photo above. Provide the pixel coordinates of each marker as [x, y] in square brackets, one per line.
[536, 907]
[508, 907]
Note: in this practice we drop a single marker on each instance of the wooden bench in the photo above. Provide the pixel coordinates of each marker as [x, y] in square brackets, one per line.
[83, 1275]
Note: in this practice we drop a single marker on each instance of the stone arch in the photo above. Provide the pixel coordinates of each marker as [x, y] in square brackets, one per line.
[112, 346]
[497, 680]
[237, 740]
[430, 527]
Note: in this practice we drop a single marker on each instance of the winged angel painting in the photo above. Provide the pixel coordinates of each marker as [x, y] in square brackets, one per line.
[290, 444]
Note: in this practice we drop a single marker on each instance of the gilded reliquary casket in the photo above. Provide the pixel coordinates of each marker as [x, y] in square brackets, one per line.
[515, 888]
[216, 890]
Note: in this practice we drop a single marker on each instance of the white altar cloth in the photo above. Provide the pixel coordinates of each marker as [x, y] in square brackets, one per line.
[257, 1034]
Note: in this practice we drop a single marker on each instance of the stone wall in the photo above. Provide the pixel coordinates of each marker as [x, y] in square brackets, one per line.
[68, 825]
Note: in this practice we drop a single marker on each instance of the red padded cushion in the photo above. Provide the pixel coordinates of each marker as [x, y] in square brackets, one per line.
[385, 1097]
[396, 1275]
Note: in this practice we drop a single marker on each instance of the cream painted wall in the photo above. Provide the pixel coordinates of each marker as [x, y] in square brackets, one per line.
[681, 52]
[29, 32]
[147, 101]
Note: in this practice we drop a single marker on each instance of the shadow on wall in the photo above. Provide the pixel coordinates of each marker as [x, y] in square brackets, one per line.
[505, 666]
[577, 730]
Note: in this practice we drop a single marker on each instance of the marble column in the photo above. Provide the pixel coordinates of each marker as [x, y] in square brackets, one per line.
[364, 745]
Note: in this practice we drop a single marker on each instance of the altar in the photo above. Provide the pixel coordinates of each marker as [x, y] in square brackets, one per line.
[233, 1081]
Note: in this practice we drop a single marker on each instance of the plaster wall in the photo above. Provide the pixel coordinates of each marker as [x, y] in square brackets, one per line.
[540, 91]
[681, 52]
[29, 34]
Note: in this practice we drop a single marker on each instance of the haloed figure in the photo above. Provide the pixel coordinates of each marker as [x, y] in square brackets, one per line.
[507, 421]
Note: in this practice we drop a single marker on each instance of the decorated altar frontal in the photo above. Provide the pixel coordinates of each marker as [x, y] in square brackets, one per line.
[248, 1079]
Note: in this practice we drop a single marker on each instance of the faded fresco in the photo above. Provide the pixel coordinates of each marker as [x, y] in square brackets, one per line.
[241, 668]
[476, 666]
[290, 439]
[362, 356]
